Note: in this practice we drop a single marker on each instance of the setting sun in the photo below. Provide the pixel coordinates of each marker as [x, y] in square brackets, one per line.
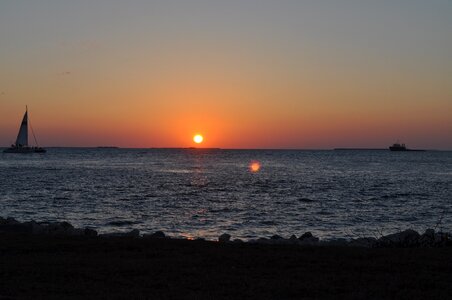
[198, 139]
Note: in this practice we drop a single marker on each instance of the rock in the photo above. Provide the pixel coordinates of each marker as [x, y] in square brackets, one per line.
[66, 226]
[441, 239]
[32, 227]
[11, 225]
[340, 242]
[406, 238]
[61, 228]
[367, 242]
[305, 235]
[427, 239]
[275, 242]
[78, 231]
[16, 228]
[309, 240]
[11, 221]
[2, 221]
[135, 233]
[155, 235]
[430, 233]
[293, 240]
[262, 241]
[237, 241]
[90, 232]
[36, 228]
[224, 238]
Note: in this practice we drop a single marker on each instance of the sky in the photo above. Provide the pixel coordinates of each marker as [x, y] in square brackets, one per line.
[243, 73]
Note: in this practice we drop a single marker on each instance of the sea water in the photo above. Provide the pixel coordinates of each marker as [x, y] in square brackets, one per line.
[204, 193]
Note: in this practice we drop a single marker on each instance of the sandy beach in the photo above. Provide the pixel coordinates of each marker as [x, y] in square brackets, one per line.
[75, 267]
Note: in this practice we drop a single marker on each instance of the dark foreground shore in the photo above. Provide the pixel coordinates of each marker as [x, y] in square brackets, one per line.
[75, 267]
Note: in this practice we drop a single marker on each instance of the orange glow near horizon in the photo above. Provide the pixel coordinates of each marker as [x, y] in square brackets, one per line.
[232, 113]
[152, 74]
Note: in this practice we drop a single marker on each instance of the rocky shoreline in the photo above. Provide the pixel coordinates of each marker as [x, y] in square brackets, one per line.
[405, 239]
[59, 261]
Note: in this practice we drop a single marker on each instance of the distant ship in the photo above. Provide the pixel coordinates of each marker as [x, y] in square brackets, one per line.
[21, 145]
[398, 147]
[401, 147]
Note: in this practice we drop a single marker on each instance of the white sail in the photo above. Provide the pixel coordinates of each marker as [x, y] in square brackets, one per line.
[22, 137]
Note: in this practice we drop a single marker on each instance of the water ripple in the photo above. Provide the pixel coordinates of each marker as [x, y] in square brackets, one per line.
[204, 193]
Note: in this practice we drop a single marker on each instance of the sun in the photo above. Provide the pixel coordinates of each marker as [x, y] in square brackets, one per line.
[198, 139]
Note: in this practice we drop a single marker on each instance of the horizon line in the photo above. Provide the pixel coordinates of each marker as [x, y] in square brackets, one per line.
[219, 148]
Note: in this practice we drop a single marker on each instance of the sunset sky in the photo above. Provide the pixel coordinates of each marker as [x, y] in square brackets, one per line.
[243, 73]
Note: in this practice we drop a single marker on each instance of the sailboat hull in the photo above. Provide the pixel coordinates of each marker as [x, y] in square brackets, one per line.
[24, 150]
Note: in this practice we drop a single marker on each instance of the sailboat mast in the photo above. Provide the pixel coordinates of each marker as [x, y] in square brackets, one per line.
[33, 132]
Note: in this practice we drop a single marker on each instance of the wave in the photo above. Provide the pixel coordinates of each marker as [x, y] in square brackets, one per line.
[306, 200]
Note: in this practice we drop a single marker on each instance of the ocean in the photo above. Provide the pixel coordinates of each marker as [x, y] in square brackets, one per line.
[203, 193]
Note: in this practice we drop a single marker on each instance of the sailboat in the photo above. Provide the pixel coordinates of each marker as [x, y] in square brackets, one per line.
[21, 145]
